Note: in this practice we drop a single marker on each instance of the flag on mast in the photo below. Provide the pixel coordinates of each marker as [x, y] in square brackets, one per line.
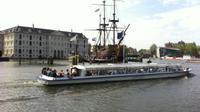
[120, 35]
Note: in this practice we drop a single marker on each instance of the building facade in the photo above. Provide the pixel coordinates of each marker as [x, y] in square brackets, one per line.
[30, 42]
[1, 43]
[168, 52]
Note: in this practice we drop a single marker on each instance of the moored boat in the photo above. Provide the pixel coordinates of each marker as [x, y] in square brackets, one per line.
[115, 72]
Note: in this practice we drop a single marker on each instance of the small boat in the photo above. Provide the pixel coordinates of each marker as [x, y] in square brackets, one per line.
[115, 72]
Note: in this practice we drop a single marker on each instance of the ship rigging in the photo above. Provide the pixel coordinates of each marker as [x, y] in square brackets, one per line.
[103, 50]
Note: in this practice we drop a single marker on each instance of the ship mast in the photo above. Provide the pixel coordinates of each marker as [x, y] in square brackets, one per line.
[114, 21]
[104, 23]
[100, 29]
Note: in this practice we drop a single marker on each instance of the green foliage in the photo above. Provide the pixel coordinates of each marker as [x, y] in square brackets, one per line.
[186, 48]
[153, 48]
[144, 53]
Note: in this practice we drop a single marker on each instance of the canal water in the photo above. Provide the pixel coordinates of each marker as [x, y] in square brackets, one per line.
[20, 92]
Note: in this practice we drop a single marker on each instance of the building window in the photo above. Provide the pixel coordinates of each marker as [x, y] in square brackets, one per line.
[20, 42]
[40, 38]
[62, 54]
[40, 43]
[11, 51]
[30, 51]
[30, 37]
[70, 44]
[84, 44]
[20, 36]
[19, 51]
[30, 43]
[54, 53]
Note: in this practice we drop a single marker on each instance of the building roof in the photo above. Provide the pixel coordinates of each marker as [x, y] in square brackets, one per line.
[170, 48]
[24, 29]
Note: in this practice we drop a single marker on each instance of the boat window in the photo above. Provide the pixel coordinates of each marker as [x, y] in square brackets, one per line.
[94, 72]
[131, 70]
[88, 73]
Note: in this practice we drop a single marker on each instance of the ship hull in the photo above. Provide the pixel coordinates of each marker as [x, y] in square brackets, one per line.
[107, 78]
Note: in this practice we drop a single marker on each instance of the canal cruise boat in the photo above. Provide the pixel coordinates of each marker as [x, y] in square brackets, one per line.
[79, 74]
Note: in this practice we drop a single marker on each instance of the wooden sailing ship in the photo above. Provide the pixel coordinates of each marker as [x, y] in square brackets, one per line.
[103, 51]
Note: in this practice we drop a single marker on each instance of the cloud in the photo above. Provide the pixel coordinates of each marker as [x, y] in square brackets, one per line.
[182, 24]
[62, 14]
[159, 27]
[180, 2]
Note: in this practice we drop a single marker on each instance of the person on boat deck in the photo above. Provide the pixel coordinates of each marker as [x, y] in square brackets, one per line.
[67, 72]
[50, 72]
[54, 73]
[44, 71]
[60, 74]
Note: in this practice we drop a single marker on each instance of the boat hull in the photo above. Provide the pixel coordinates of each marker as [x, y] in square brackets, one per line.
[108, 78]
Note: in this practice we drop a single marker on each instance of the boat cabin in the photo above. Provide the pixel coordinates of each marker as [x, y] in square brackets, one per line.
[118, 69]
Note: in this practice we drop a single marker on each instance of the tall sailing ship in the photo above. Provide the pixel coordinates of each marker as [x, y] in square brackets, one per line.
[103, 51]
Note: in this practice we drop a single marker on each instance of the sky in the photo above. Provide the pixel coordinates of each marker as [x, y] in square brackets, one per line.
[151, 21]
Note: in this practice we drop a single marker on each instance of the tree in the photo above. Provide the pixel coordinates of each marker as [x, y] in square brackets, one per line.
[153, 49]
[186, 48]
[144, 53]
[169, 44]
[198, 50]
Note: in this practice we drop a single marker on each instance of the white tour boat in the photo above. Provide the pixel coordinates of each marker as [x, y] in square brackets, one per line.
[79, 74]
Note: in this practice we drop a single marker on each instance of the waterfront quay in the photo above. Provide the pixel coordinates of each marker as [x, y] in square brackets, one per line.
[20, 92]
